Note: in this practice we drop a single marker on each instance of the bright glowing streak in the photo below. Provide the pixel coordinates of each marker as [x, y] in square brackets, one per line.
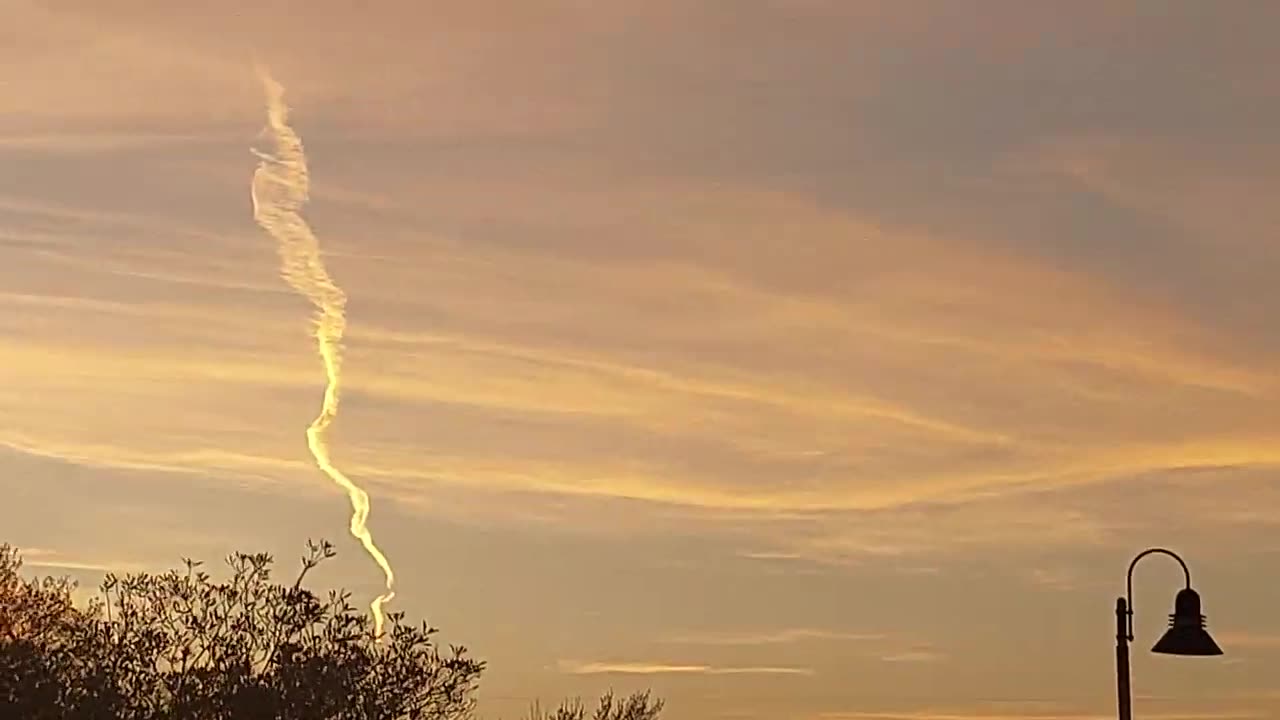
[279, 190]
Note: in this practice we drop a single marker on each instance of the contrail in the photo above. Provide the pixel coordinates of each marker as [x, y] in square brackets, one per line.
[279, 190]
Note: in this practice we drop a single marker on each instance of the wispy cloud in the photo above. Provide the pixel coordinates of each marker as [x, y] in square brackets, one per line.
[953, 715]
[915, 655]
[728, 434]
[104, 142]
[982, 715]
[55, 560]
[770, 555]
[1248, 640]
[769, 637]
[640, 668]
[1055, 578]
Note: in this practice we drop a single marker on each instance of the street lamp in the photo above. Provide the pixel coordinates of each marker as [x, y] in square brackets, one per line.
[1186, 634]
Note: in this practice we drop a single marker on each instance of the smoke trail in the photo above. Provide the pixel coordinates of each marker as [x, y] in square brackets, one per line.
[280, 186]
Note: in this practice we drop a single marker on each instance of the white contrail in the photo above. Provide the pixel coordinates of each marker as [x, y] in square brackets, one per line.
[279, 191]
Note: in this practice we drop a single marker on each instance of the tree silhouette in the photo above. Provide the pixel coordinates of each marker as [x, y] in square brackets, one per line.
[181, 645]
[637, 706]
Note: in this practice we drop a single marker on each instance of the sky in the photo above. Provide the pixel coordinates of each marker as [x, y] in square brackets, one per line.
[796, 359]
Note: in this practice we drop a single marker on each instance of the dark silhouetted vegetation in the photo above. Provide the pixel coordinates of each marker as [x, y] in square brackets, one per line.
[181, 645]
[636, 707]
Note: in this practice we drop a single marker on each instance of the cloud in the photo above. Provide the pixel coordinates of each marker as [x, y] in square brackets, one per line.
[1248, 640]
[769, 555]
[806, 395]
[637, 668]
[1064, 521]
[211, 462]
[1055, 579]
[979, 715]
[943, 715]
[520, 379]
[49, 559]
[775, 637]
[886, 366]
[103, 142]
[915, 655]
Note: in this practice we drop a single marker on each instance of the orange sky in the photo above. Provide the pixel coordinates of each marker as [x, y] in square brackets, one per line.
[801, 359]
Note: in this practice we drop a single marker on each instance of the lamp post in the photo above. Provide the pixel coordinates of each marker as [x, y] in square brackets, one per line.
[1186, 634]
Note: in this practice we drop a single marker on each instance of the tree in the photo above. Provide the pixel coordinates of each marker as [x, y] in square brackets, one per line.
[45, 642]
[637, 706]
[181, 645]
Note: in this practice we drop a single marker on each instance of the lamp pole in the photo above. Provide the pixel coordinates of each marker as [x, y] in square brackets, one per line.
[1122, 660]
[1186, 634]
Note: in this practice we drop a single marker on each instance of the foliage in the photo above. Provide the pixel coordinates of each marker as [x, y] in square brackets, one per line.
[181, 645]
[635, 707]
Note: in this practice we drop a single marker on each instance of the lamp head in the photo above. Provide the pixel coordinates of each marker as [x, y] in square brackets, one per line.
[1186, 634]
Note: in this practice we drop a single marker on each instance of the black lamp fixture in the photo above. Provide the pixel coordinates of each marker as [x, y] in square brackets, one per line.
[1186, 634]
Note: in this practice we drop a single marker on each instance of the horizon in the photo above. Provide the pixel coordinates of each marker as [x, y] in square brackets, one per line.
[794, 359]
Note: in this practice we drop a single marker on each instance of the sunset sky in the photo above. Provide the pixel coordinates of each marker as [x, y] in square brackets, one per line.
[798, 359]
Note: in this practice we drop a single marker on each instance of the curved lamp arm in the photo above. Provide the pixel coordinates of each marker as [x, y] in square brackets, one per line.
[1129, 581]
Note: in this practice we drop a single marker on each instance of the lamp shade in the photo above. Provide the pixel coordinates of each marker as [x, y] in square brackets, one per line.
[1186, 634]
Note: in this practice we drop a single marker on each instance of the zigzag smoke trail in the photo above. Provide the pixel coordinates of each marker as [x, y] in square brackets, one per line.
[279, 190]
